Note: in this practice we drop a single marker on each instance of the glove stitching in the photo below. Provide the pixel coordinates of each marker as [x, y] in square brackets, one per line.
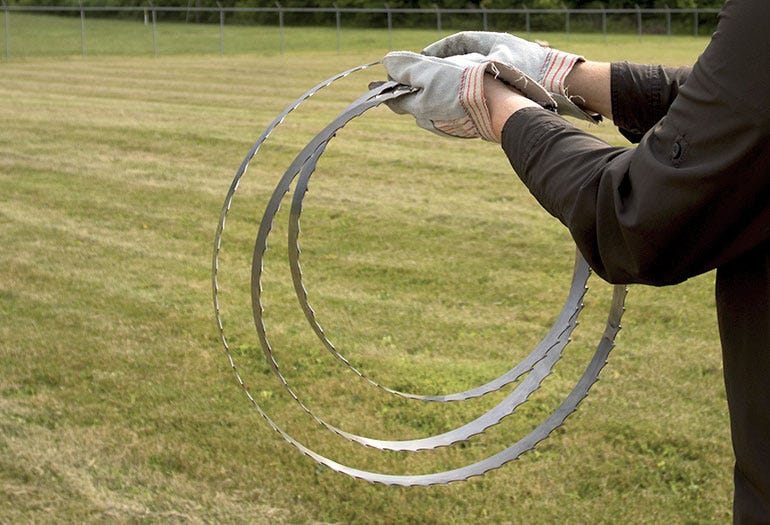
[463, 87]
[463, 82]
[473, 100]
[545, 66]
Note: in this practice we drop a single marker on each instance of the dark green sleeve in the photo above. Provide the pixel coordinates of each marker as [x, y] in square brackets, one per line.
[694, 194]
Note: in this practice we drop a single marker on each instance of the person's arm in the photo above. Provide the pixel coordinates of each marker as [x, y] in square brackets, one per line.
[589, 85]
[585, 83]
[694, 194]
[638, 94]
[634, 96]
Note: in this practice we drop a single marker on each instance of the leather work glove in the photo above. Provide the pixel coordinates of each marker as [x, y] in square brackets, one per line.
[450, 100]
[548, 67]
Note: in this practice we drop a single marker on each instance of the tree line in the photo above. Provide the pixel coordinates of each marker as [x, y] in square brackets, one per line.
[409, 4]
[542, 22]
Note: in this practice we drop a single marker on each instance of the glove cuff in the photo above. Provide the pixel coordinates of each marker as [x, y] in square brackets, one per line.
[555, 69]
[474, 102]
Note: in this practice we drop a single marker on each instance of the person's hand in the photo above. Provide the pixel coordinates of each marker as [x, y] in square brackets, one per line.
[548, 67]
[451, 100]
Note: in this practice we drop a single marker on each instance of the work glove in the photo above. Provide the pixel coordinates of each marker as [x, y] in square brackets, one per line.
[548, 67]
[450, 100]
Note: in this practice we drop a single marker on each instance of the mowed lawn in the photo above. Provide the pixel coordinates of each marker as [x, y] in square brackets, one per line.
[427, 261]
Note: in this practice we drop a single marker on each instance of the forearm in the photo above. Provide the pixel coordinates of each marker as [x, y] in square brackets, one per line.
[589, 86]
[633, 96]
[588, 83]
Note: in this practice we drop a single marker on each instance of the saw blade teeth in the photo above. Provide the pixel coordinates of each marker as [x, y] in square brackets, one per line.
[534, 369]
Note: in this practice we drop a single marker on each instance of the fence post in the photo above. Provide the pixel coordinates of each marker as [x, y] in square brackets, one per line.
[566, 20]
[604, 26]
[390, 26]
[82, 29]
[154, 30]
[339, 24]
[484, 17]
[526, 20]
[7, 36]
[695, 33]
[221, 29]
[639, 21]
[438, 19]
[668, 20]
[280, 24]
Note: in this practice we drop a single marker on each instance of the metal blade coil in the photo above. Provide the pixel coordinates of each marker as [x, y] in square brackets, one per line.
[537, 365]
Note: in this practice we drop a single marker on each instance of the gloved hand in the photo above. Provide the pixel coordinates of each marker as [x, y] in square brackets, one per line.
[549, 67]
[451, 100]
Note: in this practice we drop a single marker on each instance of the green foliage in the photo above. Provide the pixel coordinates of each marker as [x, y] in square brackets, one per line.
[358, 19]
[647, 4]
[423, 4]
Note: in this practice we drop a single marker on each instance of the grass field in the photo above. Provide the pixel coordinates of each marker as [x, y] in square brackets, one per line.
[428, 263]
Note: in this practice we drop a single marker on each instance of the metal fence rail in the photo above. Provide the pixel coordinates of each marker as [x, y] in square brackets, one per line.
[151, 11]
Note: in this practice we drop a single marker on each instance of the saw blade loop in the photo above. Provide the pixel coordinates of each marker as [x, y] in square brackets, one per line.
[539, 367]
[304, 165]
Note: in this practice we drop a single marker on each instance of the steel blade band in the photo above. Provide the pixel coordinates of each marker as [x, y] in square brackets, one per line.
[304, 164]
[540, 361]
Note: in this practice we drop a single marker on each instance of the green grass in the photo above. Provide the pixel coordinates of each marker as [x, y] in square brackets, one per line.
[429, 264]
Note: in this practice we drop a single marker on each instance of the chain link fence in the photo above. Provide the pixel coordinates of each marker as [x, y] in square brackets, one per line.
[338, 20]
